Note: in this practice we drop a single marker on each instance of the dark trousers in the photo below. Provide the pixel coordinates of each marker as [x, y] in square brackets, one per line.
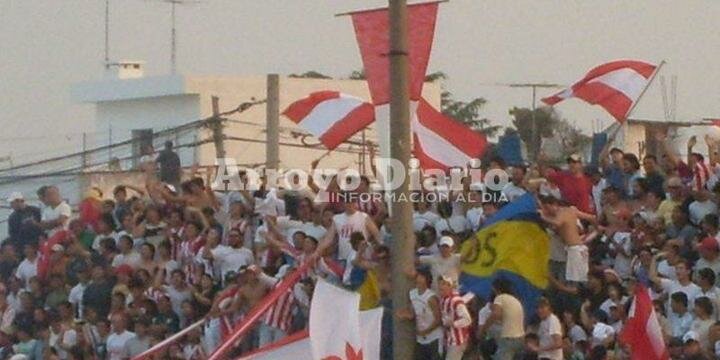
[427, 351]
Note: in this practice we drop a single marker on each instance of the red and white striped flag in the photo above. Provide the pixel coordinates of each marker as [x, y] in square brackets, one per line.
[440, 142]
[615, 86]
[642, 330]
[372, 31]
[331, 116]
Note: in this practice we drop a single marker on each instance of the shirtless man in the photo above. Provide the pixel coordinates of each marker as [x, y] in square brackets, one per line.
[255, 285]
[564, 221]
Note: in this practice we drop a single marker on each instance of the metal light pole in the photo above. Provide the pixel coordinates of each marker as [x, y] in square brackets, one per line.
[173, 30]
[403, 240]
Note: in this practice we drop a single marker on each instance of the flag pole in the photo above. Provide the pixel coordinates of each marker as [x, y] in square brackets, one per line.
[403, 256]
[383, 8]
[650, 80]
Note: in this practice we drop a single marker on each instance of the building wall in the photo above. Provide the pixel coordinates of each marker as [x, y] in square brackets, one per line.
[251, 123]
[138, 110]
[158, 113]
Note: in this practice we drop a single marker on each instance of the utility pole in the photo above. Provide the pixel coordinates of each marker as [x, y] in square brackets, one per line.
[272, 109]
[107, 35]
[535, 145]
[217, 129]
[84, 157]
[403, 255]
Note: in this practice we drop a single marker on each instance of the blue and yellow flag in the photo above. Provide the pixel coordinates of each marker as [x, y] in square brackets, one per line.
[511, 245]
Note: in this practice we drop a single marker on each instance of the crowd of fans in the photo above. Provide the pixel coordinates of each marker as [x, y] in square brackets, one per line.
[127, 270]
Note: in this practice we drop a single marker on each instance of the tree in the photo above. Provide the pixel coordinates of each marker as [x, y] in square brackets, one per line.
[549, 125]
[468, 112]
[310, 75]
[357, 75]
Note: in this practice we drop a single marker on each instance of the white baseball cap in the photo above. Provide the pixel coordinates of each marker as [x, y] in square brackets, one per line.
[690, 335]
[15, 196]
[446, 240]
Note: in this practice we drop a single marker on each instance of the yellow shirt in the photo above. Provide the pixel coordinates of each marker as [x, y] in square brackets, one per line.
[666, 208]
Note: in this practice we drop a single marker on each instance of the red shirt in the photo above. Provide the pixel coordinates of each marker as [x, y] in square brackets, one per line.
[575, 189]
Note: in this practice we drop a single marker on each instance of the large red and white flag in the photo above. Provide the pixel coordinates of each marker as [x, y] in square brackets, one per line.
[298, 346]
[440, 142]
[615, 86]
[335, 331]
[642, 330]
[372, 30]
[331, 116]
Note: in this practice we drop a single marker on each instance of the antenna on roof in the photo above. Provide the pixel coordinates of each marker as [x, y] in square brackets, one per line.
[173, 30]
[107, 34]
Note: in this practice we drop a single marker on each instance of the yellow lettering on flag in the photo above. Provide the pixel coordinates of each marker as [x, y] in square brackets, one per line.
[521, 247]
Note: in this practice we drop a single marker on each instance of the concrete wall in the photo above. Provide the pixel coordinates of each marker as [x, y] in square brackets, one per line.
[251, 124]
[158, 113]
[135, 108]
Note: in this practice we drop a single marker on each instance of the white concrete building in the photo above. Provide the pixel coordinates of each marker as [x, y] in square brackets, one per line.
[126, 103]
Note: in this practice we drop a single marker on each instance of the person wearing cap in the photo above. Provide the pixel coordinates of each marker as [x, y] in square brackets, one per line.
[575, 187]
[611, 164]
[709, 251]
[631, 168]
[21, 229]
[692, 349]
[506, 310]
[456, 319]
[444, 263]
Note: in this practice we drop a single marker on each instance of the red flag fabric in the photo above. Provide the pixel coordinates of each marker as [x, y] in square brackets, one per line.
[372, 30]
[43, 266]
[642, 330]
[331, 116]
[615, 86]
[439, 142]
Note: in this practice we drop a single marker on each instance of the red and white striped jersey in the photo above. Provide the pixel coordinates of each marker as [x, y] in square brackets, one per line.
[453, 308]
[280, 313]
[227, 321]
[701, 174]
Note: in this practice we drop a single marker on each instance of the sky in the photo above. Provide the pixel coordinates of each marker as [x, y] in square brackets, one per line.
[47, 45]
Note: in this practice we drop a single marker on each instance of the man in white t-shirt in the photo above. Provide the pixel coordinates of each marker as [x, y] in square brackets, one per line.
[445, 263]
[232, 257]
[344, 224]
[683, 282]
[28, 268]
[116, 340]
[515, 188]
[549, 332]
[508, 311]
[703, 205]
[56, 213]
